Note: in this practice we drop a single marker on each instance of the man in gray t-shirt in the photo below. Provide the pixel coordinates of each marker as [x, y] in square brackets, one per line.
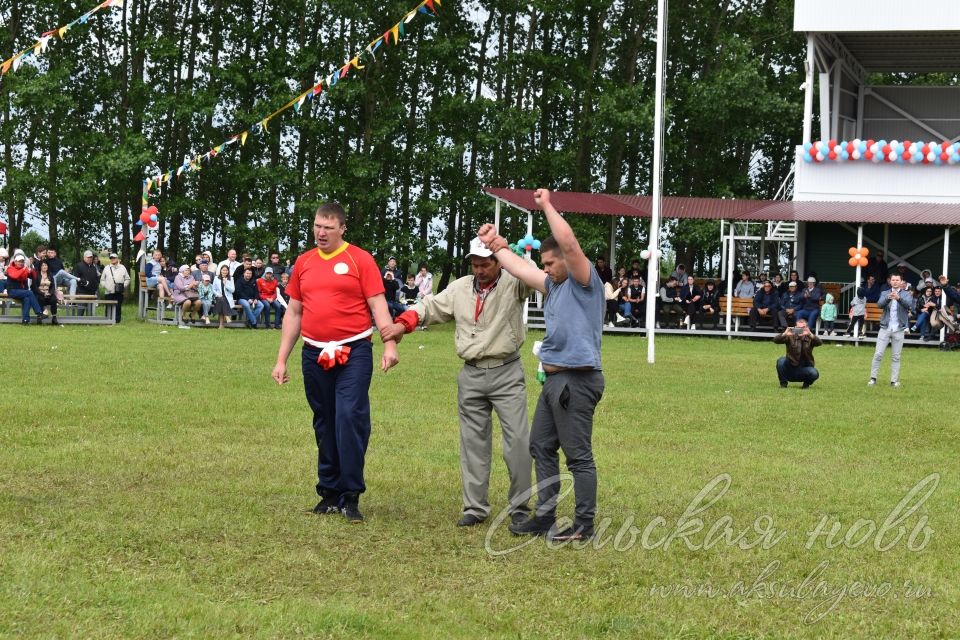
[570, 355]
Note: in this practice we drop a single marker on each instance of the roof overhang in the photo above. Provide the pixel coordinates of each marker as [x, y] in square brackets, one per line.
[940, 214]
[880, 16]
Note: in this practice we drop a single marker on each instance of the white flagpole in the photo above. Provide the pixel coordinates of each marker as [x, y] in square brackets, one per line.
[653, 262]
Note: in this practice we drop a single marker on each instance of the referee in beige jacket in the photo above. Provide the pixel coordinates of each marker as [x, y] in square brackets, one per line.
[488, 309]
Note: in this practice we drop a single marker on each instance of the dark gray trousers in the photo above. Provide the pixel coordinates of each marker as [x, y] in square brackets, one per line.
[564, 420]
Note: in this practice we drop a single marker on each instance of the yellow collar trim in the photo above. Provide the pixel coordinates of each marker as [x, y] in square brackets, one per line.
[335, 253]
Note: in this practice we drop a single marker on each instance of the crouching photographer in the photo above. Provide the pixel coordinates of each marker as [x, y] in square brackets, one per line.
[798, 364]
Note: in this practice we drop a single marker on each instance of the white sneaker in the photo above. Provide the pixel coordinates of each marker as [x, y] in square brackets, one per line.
[686, 320]
[620, 318]
[693, 327]
[872, 382]
[609, 325]
[895, 385]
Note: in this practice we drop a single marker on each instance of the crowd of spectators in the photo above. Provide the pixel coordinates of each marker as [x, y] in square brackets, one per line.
[35, 280]
[776, 302]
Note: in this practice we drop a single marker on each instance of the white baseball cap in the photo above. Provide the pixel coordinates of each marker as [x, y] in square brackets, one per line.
[478, 249]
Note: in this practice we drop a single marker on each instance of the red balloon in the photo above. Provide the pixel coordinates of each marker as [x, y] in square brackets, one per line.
[886, 149]
[868, 155]
[850, 147]
[144, 218]
[944, 145]
[832, 143]
[906, 144]
[832, 155]
[152, 210]
[152, 224]
[907, 155]
[944, 156]
[870, 143]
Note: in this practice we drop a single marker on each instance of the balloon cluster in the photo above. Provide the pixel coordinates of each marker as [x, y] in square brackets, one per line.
[526, 244]
[149, 217]
[877, 151]
[858, 256]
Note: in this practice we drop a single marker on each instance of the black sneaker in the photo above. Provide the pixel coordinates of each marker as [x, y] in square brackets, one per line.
[519, 516]
[470, 520]
[576, 533]
[329, 503]
[535, 526]
[351, 508]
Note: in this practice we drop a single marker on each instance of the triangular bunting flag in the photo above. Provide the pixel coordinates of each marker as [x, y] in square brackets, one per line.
[410, 16]
[62, 32]
[396, 33]
[343, 70]
[356, 64]
[243, 138]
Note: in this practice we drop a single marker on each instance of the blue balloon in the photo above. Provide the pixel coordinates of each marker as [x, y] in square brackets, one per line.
[956, 157]
[807, 146]
[536, 245]
[139, 223]
[154, 217]
[844, 155]
[807, 157]
[863, 147]
[900, 148]
[528, 238]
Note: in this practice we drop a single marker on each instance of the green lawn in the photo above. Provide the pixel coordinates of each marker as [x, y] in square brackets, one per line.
[154, 483]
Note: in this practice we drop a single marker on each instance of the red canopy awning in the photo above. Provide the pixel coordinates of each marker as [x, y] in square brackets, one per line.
[940, 214]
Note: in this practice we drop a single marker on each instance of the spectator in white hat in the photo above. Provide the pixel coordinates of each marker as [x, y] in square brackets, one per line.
[115, 281]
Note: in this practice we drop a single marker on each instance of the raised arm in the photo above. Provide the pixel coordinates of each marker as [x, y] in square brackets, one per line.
[578, 265]
[516, 266]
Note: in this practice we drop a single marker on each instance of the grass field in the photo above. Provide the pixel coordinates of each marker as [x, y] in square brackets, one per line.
[154, 484]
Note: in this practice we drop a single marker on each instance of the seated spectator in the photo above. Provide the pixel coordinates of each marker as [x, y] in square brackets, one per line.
[258, 269]
[424, 282]
[115, 281]
[205, 293]
[88, 271]
[391, 290]
[810, 310]
[790, 303]
[634, 297]
[778, 284]
[185, 294]
[857, 315]
[60, 275]
[680, 273]
[634, 270]
[274, 263]
[267, 286]
[394, 269]
[282, 288]
[623, 304]
[223, 295]
[951, 292]
[798, 365]
[230, 262]
[410, 293]
[606, 275]
[203, 268]
[746, 287]
[248, 297]
[18, 288]
[692, 296]
[612, 297]
[168, 274]
[927, 303]
[766, 306]
[671, 309]
[621, 274]
[4, 257]
[710, 303]
[44, 287]
[237, 274]
[870, 292]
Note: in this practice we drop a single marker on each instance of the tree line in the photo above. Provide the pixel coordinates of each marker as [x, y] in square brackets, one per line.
[513, 94]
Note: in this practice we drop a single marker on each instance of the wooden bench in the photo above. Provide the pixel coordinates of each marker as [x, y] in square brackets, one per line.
[77, 309]
[739, 308]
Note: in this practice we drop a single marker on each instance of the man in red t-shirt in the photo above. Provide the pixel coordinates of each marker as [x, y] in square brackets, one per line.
[333, 290]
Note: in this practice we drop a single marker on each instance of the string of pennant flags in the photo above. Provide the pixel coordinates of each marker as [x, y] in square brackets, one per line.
[356, 63]
[43, 42]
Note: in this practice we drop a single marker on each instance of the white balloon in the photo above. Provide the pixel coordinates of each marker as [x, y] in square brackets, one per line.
[819, 157]
[855, 155]
[645, 254]
[931, 156]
